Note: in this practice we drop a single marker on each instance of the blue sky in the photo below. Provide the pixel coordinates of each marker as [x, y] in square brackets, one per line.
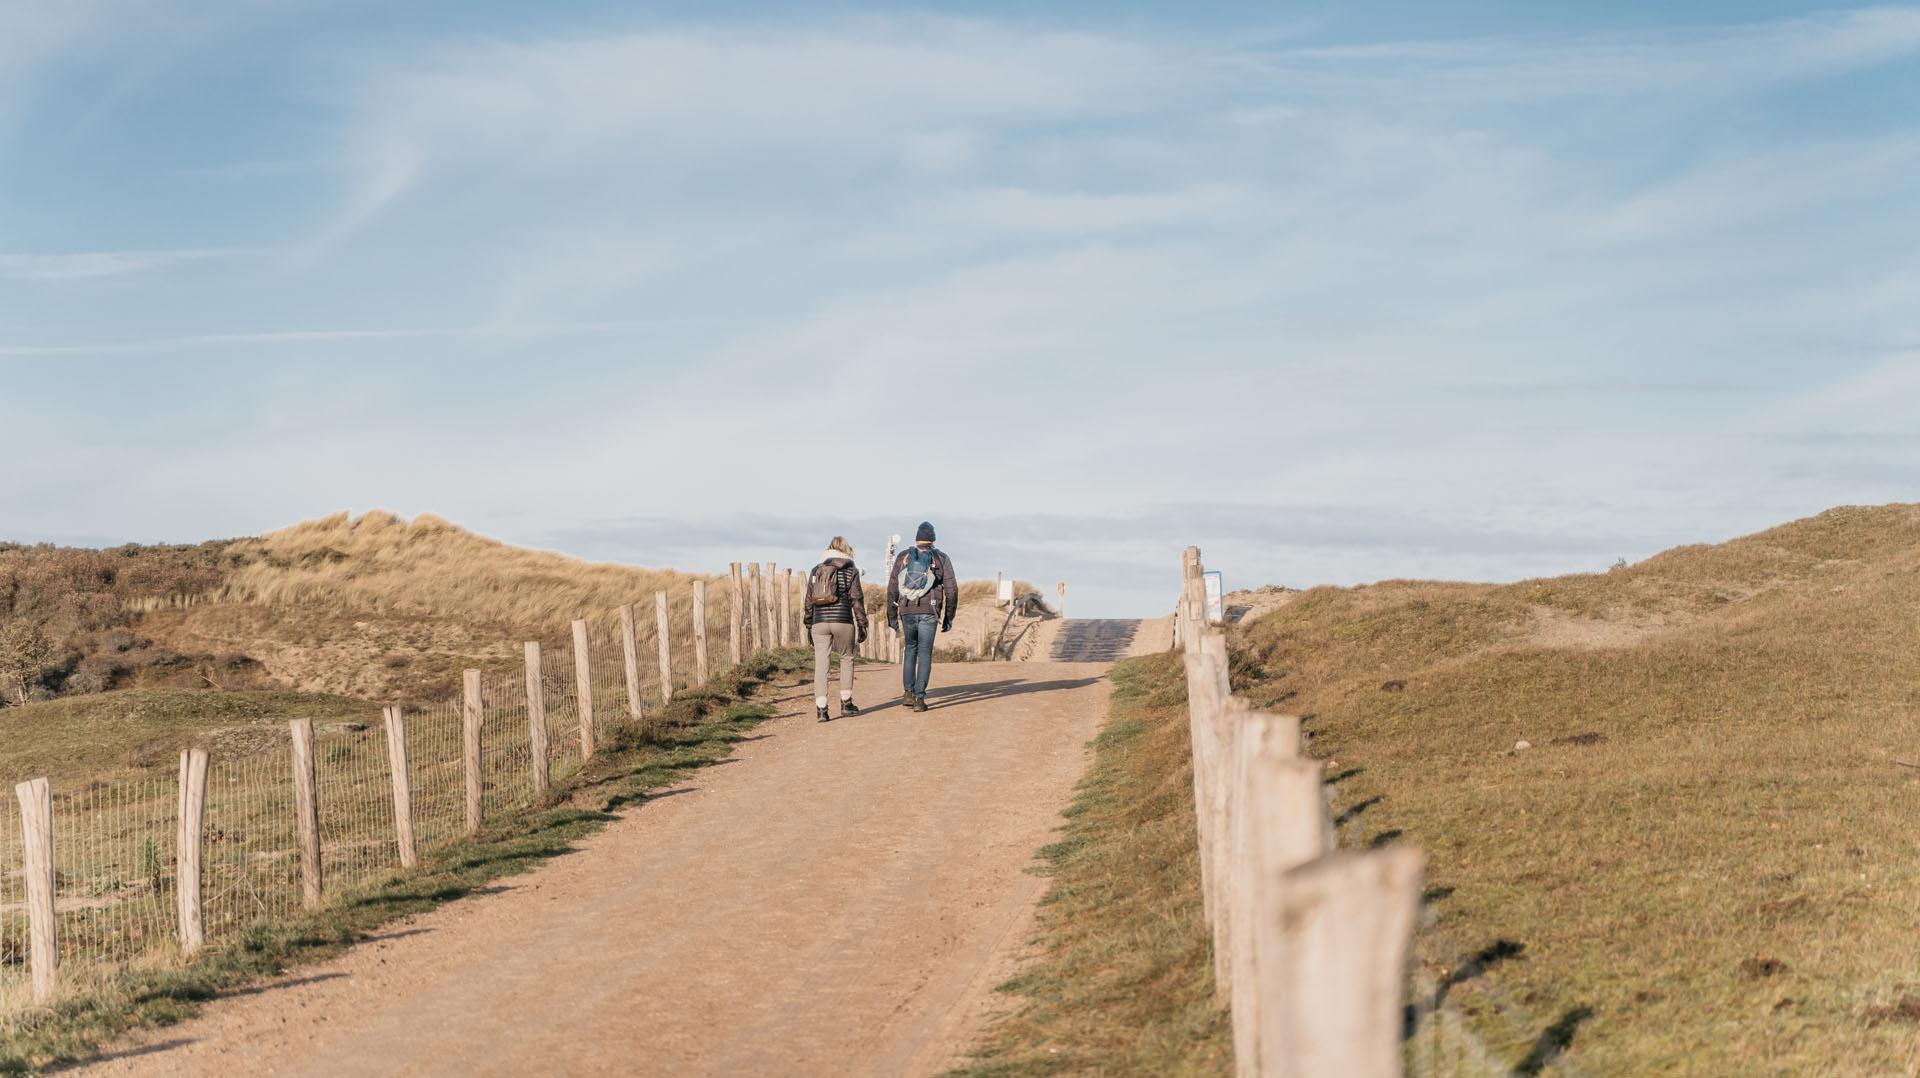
[1338, 292]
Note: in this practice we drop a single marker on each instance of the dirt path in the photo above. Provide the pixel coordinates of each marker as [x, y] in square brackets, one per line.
[836, 899]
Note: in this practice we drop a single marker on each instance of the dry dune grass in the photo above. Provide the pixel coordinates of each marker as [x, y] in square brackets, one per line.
[382, 607]
[1705, 861]
[381, 564]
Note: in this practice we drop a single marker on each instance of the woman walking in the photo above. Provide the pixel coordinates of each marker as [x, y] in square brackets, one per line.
[836, 618]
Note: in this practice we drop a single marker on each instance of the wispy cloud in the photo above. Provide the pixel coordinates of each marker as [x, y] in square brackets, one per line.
[91, 264]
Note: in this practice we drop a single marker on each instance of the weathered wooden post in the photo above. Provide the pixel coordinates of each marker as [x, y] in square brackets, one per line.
[188, 835]
[1345, 923]
[735, 631]
[756, 618]
[536, 718]
[306, 811]
[470, 717]
[1279, 822]
[36, 825]
[583, 685]
[402, 788]
[630, 653]
[787, 634]
[666, 653]
[769, 608]
[700, 669]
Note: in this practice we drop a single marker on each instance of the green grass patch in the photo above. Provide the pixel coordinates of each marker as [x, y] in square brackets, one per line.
[1124, 980]
[698, 728]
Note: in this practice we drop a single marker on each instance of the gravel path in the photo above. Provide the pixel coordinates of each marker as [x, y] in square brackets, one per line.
[835, 899]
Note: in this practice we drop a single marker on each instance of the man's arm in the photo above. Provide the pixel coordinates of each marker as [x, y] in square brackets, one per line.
[950, 588]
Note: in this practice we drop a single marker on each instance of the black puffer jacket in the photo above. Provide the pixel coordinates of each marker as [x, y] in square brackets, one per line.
[852, 607]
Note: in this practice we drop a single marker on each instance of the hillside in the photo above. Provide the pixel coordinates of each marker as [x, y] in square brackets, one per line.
[1703, 859]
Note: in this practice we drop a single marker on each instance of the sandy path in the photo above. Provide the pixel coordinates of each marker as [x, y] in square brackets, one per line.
[836, 899]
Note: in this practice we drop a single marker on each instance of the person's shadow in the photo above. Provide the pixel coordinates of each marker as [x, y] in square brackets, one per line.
[951, 695]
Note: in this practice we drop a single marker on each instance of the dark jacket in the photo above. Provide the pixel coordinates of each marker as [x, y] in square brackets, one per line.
[852, 607]
[942, 600]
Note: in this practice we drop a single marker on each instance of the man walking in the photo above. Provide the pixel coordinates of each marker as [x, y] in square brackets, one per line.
[921, 594]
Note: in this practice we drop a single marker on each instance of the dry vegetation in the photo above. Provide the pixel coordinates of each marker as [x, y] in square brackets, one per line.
[377, 606]
[1704, 862]
[1122, 983]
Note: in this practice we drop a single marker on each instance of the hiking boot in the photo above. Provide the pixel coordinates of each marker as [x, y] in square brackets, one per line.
[820, 715]
[906, 699]
[848, 707]
[919, 703]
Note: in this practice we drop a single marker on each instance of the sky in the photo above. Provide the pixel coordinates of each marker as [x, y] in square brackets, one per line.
[1337, 292]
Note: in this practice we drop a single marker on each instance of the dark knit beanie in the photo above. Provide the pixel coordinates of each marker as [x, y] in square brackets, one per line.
[925, 534]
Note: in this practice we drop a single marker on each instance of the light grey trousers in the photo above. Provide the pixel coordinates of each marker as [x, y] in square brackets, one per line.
[828, 637]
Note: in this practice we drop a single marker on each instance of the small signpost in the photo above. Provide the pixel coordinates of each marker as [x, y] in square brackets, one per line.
[1063, 598]
[1216, 600]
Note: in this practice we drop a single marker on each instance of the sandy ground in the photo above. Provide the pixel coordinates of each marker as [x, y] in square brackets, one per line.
[835, 899]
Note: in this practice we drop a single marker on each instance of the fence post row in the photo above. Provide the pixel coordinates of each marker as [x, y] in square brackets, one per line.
[470, 719]
[736, 632]
[537, 717]
[306, 811]
[191, 819]
[36, 825]
[402, 788]
[1310, 944]
[700, 671]
[583, 686]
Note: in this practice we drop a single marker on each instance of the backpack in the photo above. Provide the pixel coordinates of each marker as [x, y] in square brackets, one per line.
[918, 574]
[823, 585]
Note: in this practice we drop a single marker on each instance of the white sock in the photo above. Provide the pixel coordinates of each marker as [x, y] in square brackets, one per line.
[819, 701]
[844, 697]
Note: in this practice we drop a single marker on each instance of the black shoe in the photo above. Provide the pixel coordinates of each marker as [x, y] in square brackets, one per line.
[848, 707]
[906, 699]
[820, 715]
[919, 703]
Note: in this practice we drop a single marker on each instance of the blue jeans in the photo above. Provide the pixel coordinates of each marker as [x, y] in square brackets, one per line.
[916, 651]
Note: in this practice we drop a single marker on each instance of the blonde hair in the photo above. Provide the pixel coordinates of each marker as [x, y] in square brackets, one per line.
[840, 543]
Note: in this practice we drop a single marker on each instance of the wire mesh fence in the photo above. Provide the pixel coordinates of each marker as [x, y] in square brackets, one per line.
[115, 842]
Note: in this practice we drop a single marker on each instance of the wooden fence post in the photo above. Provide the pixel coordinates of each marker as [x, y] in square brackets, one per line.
[1279, 822]
[787, 633]
[36, 825]
[769, 609]
[583, 686]
[754, 619]
[188, 836]
[700, 669]
[735, 630]
[663, 626]
[1346, 920]
[306, 811]
[1224, 718]
[402, 788]
[537, 718]
[470, 716]
[630, 654]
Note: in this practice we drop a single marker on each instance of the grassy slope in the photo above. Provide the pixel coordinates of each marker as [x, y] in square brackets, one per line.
[100, 734]
[1706, 862]
[1123, 983]
[697, 729]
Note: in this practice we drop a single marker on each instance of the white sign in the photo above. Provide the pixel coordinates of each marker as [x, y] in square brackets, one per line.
[893, 545]
[1006, 591]
[1216, 600]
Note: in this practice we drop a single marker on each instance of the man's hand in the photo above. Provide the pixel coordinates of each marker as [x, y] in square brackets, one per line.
[894, 625]
[947, 628]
